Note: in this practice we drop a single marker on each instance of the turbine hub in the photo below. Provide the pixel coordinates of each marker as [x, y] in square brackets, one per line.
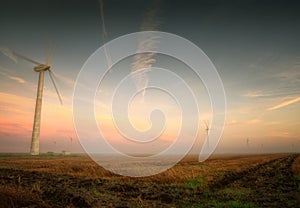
[42, 67]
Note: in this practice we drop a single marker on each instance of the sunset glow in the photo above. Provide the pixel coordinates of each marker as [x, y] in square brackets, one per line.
[260, 72]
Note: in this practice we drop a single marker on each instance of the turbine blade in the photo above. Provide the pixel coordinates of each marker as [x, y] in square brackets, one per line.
[206, 123]
[7, 52]
[51, 74]
[49, 55]
[48, 48]
[26, 58]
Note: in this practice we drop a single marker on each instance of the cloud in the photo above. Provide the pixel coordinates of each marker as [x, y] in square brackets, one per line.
[286, 89]
[255, 94]
[14, 105]
[104, 34]
[10, 127]
[282, 134]
[243, 122]
[143, 62]
[285, 103]
[18, 79]
[290, 76]
[5, 73]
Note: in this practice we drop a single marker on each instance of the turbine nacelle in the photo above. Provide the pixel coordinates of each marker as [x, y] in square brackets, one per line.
[41, 67]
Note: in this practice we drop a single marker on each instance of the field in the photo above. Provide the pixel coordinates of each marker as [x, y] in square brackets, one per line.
[221, 181]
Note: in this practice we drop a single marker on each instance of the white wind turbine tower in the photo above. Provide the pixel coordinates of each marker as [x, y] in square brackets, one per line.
[40, 68]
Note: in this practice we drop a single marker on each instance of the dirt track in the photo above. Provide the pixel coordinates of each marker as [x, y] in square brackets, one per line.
[269, 184]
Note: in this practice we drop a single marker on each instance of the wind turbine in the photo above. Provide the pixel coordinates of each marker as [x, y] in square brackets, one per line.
[40, 68]
[248, 142]
[71, 139]
[206, 123]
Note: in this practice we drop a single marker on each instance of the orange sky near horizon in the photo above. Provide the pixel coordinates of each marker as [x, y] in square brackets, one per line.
[279, 123]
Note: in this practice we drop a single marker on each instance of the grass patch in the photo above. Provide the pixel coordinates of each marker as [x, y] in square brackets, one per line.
[233, 204]
[195, 182]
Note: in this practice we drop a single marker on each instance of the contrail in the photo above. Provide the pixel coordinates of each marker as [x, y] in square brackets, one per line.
[142, 63]
[104, 34]
[286, 103]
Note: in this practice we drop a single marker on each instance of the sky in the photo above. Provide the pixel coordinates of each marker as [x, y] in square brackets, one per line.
[254, 45]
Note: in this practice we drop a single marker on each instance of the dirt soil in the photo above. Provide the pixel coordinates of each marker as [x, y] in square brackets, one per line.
[271, 183]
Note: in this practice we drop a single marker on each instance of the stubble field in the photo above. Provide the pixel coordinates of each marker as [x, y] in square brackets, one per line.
[221, 181]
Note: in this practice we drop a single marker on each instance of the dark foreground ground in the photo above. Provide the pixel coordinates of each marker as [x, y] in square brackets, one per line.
[229, 181]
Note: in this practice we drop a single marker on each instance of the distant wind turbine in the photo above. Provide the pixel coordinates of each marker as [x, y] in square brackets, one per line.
[71, 139]
[292, 145]
[247, 142]
[40, 68]
[206, 123]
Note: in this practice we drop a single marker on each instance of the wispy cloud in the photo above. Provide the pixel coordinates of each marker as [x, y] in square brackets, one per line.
[13, 127]
[18, 79]
[290, 76]
[285, 103]
[243, 122]
[282, 134]
[15, 103]
[255, 94]
[143, 62]
[5, 73]
[104, 34]
[284, 91]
